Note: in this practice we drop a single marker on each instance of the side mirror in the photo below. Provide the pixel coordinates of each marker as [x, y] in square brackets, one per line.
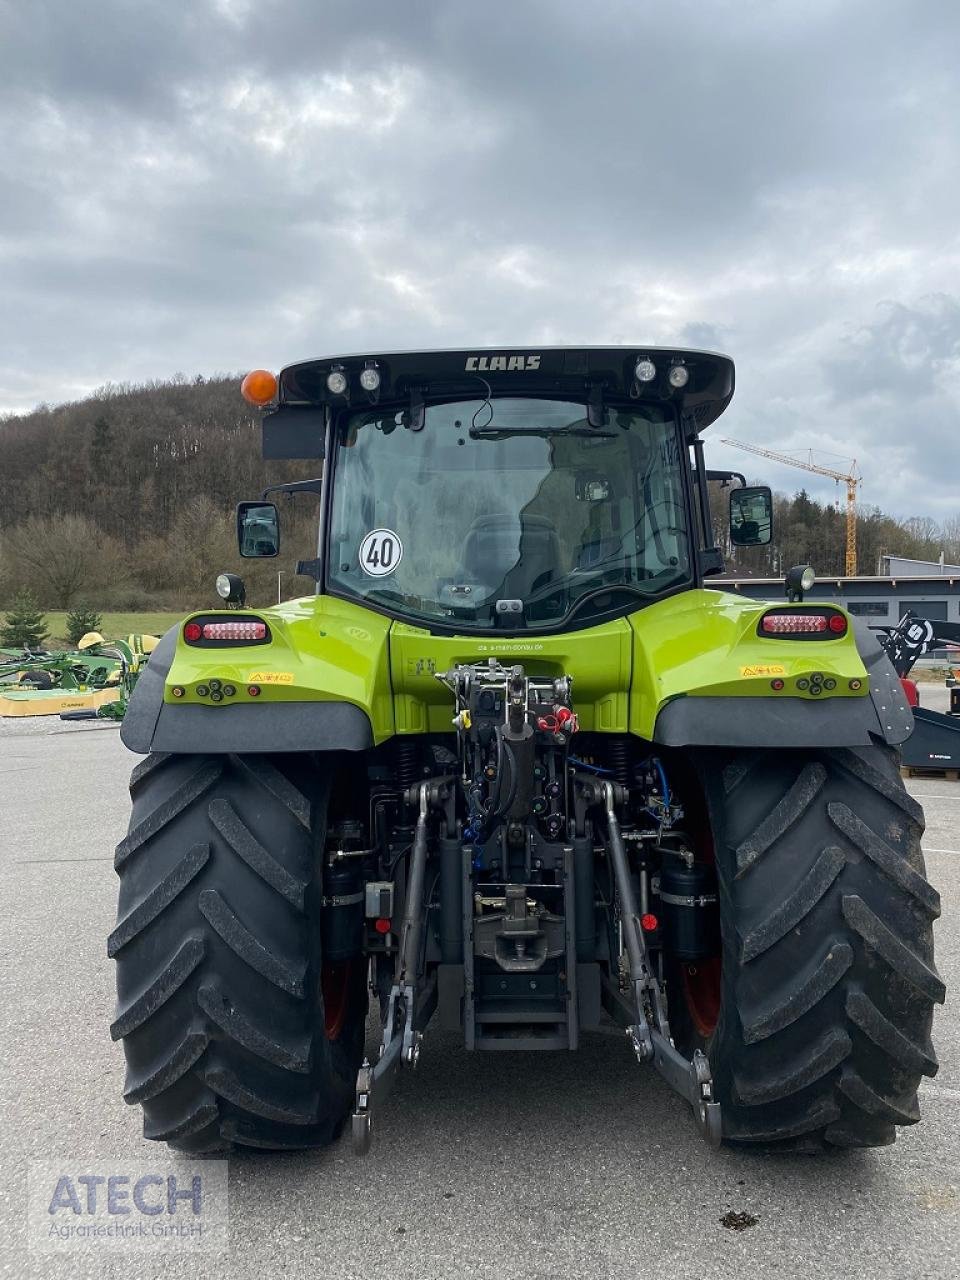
[751, 516]
[258, 529]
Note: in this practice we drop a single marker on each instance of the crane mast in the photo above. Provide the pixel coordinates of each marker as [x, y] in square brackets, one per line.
[851, 478]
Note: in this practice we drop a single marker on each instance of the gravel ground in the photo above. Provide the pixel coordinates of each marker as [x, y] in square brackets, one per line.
[483, 1165]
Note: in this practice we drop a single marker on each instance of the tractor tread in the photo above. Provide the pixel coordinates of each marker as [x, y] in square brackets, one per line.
[245, 844]
[737, 771]
[828, 978]
[278, 785]
[193, 1122]
[240, 940]
[886, 858]
[860, 1134]
[172, 978]
[167, 810]
[897, 954]
[799, 904]
[824, 1055]
[799, 1000]
[864, 1014]
[815, 1117]
[245, 1135]
[218, 949]
[224, 1013]
[170, 887]
[889, 1109]
[225, 1083]
[887, 784]
[179, 1062]
[147, 766]
[782, 817]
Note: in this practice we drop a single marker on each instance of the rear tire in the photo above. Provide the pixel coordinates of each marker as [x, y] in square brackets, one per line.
[220, 981]
[828, 982]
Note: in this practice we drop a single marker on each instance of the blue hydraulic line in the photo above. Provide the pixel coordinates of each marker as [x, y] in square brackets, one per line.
[663, 782]
[593, 768]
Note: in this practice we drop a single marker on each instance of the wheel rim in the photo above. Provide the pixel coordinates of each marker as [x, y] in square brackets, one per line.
[701, 989]
[335, 986]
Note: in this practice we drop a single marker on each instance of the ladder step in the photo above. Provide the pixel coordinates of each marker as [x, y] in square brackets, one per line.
[523, 1038]
[521, 1018]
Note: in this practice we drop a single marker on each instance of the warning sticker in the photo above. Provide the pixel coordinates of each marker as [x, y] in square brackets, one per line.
[270, 677]
[380, 552]
[764, 669]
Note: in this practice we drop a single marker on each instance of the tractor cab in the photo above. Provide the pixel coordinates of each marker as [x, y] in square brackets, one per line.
[508, 491]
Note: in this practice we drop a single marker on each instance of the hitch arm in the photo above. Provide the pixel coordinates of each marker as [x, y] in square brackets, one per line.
[691, 1078]
[410, 1007]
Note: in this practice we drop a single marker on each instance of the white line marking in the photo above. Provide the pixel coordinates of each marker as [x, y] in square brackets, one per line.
[929, 795]
[939, 1091]
[928, 849]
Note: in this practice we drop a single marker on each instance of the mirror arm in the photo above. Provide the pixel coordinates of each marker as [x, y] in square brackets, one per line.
[295, 486]
[711, 557]
[310, 569]
[726, 476]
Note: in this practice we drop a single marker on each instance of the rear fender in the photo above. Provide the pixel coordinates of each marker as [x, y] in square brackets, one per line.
[323, 681]
[703, 677]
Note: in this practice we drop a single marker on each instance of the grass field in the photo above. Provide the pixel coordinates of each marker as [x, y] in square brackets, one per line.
[116, 625]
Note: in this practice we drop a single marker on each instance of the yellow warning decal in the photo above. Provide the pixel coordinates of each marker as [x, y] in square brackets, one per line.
[764, 669]
[270, 677]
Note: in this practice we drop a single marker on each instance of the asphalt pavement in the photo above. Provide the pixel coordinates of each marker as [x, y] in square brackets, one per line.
[483, 1165]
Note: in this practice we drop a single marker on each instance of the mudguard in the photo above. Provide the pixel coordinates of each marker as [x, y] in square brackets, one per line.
[322, 684]
[689, 670]
[883, 715]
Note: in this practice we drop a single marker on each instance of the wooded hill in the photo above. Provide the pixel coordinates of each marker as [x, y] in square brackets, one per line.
[125, 500]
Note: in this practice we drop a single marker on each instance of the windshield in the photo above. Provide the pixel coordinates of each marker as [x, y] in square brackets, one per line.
[509, 513]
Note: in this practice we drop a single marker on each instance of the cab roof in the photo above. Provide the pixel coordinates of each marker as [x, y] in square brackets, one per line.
[564, 372]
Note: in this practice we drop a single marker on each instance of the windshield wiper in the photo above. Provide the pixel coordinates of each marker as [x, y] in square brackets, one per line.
[504, 433]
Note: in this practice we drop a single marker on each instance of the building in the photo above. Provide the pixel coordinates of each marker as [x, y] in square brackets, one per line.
[882, 601]
[901, 567]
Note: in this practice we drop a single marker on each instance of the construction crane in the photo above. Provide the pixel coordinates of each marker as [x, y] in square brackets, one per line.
[851, 478]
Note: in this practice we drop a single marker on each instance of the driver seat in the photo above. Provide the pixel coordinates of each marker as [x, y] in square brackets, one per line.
[523, 554]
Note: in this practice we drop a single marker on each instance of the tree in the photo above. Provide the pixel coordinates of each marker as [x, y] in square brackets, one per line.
[61, 555]
[23, 627]
[81, 620]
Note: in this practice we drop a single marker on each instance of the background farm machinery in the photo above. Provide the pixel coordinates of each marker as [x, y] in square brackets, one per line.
[93, 681]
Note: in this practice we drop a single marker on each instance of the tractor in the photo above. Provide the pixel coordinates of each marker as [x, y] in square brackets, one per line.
[511, 768]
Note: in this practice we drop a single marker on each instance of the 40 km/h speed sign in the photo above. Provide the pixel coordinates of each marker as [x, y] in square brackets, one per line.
[380, 553]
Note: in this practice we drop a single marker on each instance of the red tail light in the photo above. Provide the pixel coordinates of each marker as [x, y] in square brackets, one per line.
[803, 622]
[788, 623]
[219, 632]
[234, 631]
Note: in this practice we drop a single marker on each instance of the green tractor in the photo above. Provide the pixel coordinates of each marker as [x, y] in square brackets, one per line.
[513, 769]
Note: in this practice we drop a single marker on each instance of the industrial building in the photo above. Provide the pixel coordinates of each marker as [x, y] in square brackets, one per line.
[882, 600]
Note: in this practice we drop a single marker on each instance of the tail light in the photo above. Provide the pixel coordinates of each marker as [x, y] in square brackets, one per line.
[218, 632]
[807, 624]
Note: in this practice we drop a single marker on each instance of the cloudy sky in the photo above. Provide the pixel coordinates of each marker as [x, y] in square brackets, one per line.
[210, 185]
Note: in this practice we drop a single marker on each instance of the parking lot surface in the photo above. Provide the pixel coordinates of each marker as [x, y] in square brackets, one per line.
[483, 1165]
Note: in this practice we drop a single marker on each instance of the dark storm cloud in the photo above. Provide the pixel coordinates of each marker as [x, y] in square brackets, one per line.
[212, 185]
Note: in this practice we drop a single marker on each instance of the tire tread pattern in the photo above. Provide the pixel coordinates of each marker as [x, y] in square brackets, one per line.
[217, 948]
[828, 979]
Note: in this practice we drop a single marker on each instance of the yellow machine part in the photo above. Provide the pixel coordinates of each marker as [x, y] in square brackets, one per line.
[50, 702]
